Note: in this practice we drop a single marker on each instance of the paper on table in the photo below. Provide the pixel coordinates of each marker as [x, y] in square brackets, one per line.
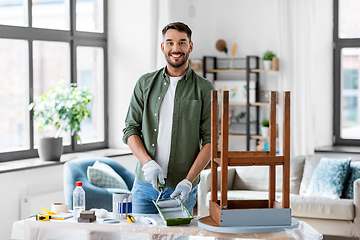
[62, 216]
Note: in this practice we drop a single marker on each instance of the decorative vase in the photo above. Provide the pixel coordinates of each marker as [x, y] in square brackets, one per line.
[267, 64]
[264, 131]
[50, 149]
[231, 63]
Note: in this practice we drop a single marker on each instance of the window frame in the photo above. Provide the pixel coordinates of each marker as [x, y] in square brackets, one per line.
[338, 45]
[74, 38]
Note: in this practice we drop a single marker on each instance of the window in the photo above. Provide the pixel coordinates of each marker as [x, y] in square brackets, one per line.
[42, 42]
[346, 72]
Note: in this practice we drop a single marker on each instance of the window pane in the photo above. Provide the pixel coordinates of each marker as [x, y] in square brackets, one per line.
[13, 12]
[349, 19]
[90, 15]
[90, 73]
[350, 66]
[14, 96]
[51, 63]
[53, 14]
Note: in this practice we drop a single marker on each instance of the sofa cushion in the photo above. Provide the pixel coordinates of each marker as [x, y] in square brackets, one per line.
[348, 191]
[310, 164]
[102, 175]
[324, 208]
[329, 177]
[256, 178]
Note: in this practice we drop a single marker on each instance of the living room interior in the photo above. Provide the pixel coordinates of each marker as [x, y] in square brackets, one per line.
[300, 33]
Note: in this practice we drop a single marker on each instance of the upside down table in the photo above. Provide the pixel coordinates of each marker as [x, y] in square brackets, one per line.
[143, 230]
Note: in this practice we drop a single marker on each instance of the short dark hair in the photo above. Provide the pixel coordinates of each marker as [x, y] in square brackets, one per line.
[179, 26]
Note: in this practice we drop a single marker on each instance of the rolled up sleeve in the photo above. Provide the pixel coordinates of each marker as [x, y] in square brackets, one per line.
[133, 121]
[205, 125]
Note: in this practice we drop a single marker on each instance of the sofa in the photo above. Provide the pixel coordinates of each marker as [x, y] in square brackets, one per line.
[96, 197]
[328, 216]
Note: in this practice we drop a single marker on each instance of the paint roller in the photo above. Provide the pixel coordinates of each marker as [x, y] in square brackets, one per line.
[171, 204]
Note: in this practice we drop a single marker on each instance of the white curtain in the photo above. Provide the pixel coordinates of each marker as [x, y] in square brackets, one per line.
[296, 53]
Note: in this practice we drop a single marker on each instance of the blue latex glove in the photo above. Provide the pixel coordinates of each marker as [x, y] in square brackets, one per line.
[153, 174]
[183, 189]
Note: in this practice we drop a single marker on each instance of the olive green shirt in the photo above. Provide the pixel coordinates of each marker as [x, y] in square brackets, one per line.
[191, 120]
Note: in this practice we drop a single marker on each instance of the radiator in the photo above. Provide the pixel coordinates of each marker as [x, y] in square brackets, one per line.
[30, 205]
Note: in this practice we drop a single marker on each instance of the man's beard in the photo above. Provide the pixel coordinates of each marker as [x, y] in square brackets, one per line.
[180, 63]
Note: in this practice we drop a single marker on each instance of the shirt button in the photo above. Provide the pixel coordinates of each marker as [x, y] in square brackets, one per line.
[155, 130]
[159, 98]
[164, 83]
[153, 145]
[155, 114]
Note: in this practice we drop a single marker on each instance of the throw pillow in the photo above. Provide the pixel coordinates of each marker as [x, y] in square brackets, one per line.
[329, 177]
[310, 164]
[354, 174]
[102, 175]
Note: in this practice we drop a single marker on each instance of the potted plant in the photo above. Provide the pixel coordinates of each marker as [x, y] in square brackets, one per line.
[265, 127]
[267, 58]
[63, 107]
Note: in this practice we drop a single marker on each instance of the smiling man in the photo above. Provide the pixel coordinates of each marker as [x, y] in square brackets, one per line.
[167, 123]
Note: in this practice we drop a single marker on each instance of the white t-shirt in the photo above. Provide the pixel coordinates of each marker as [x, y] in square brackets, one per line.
[163, 145]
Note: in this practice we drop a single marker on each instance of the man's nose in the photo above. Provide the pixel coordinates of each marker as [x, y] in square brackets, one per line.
[176, 47]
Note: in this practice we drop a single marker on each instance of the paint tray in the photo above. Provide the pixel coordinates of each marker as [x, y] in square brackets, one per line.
[173, 211]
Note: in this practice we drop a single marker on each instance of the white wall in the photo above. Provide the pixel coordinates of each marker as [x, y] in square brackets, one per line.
[253, 25]
[129, 52]
[18, 184]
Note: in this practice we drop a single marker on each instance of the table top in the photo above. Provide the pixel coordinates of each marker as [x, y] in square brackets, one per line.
[146, 227]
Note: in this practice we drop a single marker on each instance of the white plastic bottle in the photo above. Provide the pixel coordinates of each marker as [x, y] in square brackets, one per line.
[78, 200]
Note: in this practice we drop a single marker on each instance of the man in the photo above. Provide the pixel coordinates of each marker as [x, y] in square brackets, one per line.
[167, 120]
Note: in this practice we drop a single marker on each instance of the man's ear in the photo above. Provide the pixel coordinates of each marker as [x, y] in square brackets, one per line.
[162, 47]
[191, 46]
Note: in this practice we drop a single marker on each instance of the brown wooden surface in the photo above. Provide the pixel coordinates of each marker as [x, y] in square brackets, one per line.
[251, 104]
[248, 204]
[277, 204]
[224, 149]
[214, 210]
[272, 148]
[245, 153]
[209, 221]
[244, 136]
[214, 144]
[233, 162]
[286, 152]
[272, 127]
[267, 160]
[224, 158]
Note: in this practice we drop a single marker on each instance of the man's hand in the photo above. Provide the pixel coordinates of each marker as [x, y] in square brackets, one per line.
[153, 172]
[183, 189]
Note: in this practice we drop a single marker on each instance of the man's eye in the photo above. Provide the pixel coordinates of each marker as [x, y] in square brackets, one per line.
[170, 43]
[182, 43]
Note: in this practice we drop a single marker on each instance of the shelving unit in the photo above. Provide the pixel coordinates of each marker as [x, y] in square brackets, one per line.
[251, 67]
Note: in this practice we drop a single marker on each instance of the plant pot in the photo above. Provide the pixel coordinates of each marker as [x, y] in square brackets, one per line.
[264, 131]
[267, 64]
[50, 149]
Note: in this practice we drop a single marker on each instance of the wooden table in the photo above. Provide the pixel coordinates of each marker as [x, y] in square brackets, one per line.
[69, 229]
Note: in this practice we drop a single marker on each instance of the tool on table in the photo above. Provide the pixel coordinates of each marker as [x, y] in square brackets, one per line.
[130, 218]
[87, 217]
[148, 220]
[161, 188]
[171, 204]
[46, 215]
[173, 211]
[47, 211]
[43, 217]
